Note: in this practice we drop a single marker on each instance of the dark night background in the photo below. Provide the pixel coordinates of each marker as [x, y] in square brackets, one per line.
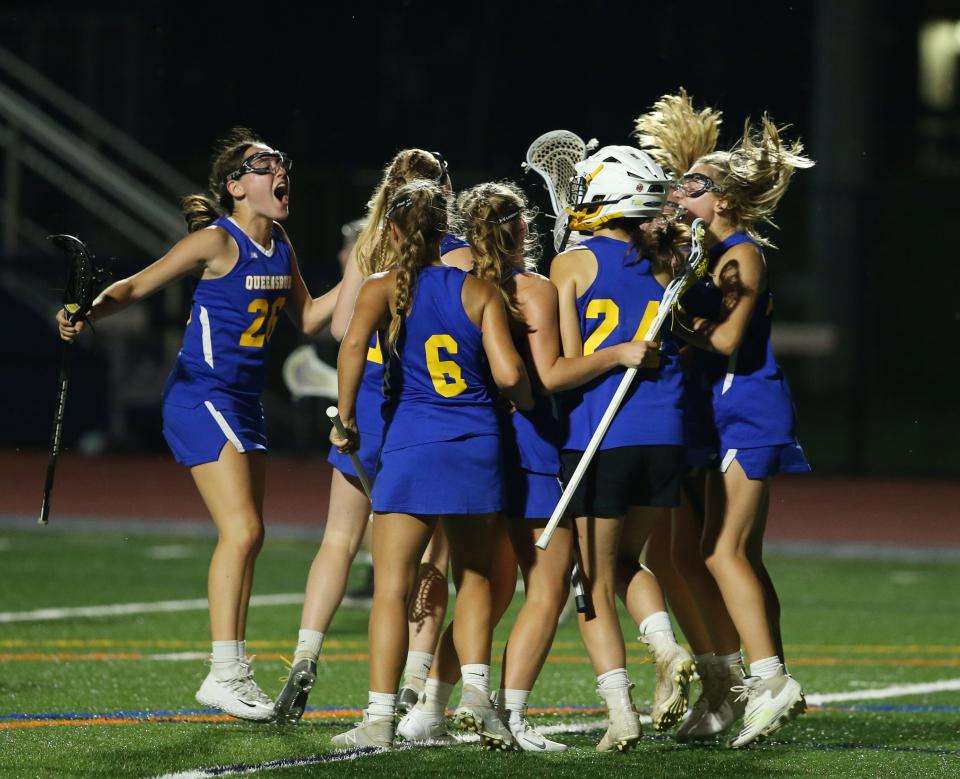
[865, 245]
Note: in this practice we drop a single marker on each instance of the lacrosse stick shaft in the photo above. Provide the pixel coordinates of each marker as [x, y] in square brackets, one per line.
[56, 435]
[334, 416]
[586, 458]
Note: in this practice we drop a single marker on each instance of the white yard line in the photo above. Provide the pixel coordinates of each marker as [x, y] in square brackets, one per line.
[336, 757]
[894, 691]
[881, 693]
[114, 609]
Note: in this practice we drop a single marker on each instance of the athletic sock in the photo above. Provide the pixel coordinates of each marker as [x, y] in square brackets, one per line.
[733, 660]
[436, 694]
[381, 705]
[478, 675]
[707, 658]
[418, 666]
[515, 702]
[226, 660]
[309, 643]
[657, 622]
[615, 679]
[766, 668]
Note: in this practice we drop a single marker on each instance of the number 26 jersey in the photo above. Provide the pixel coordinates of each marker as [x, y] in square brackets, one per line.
[231, 321]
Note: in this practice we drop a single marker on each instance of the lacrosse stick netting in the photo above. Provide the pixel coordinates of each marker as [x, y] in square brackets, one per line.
[553, 156]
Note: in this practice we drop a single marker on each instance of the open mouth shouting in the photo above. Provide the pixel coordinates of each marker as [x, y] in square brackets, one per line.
[282, 192]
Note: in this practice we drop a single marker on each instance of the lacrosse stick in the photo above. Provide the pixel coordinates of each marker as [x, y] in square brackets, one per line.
[553, 156]
[307, 376]
[695, 268]
[84, 281]
[334, 416]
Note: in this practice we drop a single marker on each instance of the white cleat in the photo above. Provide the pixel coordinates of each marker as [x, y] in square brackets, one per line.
[676, 669]
[239, 697]
[424, 727]
[376, 733]
[719, 707]
[624, 731]
[770, 704]
[527, 738]
[477, 714]
[692, 720]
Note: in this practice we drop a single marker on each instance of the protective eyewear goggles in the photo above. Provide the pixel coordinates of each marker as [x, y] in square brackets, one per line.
[695, 184]
[262, 163]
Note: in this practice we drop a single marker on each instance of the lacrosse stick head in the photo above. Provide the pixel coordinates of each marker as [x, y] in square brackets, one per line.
[86, 278]
[553, 156]
[306, 375]
[617, 182]
[698, 259]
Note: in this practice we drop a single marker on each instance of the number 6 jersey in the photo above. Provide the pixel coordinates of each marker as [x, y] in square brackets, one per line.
[440, 387]
[231, 321]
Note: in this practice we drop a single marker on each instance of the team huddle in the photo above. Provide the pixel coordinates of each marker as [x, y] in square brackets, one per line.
[470, 388]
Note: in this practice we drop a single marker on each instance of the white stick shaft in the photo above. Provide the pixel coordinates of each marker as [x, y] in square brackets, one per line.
[586, 458]
[334, 416]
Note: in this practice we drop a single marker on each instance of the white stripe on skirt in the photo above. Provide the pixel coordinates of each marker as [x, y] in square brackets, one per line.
[224, 426]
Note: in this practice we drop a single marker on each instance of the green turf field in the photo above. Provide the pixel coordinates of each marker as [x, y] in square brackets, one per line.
[112, 695]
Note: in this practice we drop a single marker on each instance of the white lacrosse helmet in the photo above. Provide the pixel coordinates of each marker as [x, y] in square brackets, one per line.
[617, 182]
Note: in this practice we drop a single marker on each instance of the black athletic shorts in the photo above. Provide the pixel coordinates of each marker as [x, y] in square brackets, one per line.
[626, 476]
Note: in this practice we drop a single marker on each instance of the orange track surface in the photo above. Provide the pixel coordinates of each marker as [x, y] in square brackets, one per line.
[802, 508]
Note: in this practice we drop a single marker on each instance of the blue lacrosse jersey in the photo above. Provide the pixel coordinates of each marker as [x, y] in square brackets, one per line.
[619, 307]
[439, 381]
[532, 439]
[752, 405]
[370, 395]
[231, 321]
[449, 242]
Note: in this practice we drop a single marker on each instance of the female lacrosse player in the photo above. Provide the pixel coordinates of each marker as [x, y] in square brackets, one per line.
[676, 134]
[441, 449]
[497, 223]
[349, 506]
[609, 293]
[752, 408]
[212, 417]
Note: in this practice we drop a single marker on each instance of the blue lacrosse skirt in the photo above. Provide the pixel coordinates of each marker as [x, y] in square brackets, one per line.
[531, 495]
[759, 462]
[464, 476]
[196, 435]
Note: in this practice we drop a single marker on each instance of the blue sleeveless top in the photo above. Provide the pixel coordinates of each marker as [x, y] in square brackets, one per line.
[618, 307]
[449, 242]
[752, 404]
[370, 395]
[532, 439]
[439, 383]
[231, 321]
